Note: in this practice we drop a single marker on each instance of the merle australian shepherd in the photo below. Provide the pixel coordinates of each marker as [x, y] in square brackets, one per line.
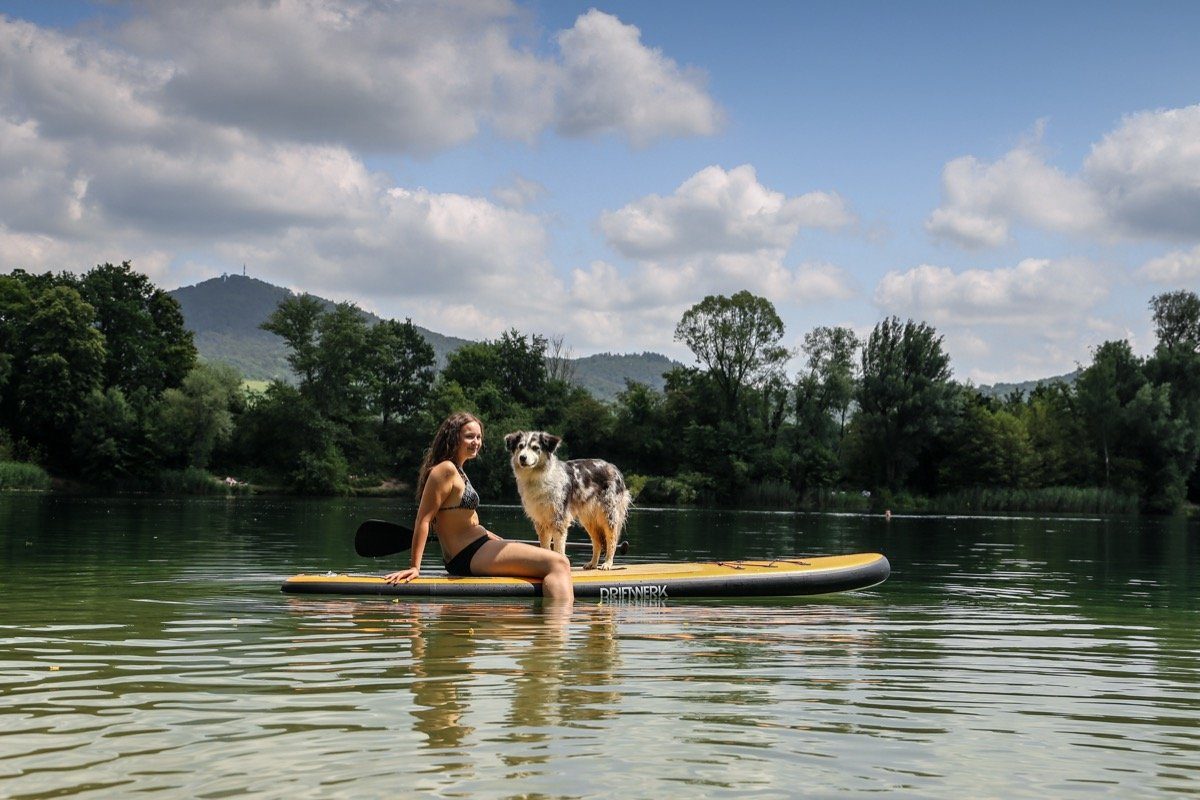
[554, 493]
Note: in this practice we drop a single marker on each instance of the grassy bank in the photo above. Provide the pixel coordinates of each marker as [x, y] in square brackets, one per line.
[686, 490]
[19, 476]
[1052, 499]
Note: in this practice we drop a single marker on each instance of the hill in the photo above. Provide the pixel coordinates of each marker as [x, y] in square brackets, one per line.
[1001, 390]
[225, 313]
[605, 374]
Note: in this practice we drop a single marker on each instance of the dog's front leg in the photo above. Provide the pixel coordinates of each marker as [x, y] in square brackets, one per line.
[545, 533]
[560, 541]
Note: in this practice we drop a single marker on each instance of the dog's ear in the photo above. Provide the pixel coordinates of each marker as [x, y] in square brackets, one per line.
[550, 442]
[512, 440]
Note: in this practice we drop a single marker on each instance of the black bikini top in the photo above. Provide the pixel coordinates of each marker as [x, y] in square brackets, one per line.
[470, 497]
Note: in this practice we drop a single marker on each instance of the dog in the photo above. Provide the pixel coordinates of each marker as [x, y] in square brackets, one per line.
[555, 493]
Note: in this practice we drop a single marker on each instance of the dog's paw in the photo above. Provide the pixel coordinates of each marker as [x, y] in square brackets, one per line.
[604, 566]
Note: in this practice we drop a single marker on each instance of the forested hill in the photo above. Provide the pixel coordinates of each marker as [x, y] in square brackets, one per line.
[604, 374]
[1002, 390]
[225, 314]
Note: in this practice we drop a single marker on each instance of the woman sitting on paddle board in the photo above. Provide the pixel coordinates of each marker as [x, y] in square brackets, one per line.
[448, 503]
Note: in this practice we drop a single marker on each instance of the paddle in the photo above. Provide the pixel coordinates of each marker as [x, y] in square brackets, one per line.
[375, 538]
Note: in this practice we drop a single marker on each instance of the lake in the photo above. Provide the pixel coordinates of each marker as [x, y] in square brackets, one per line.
[146, 650]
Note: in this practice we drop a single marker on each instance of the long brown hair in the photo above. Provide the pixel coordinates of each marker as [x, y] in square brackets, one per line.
[444, 445]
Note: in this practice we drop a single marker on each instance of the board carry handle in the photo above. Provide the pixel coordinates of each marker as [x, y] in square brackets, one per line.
[377, 537]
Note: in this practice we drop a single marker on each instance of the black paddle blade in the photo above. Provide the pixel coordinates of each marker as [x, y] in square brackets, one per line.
[375, 537]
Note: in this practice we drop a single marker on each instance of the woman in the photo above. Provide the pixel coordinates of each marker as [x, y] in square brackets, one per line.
[448, 503]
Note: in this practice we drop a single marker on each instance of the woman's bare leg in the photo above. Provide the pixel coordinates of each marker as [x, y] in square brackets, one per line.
[498, 557]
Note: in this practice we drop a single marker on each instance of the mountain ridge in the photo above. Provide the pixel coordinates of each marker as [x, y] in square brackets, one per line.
[224, 315]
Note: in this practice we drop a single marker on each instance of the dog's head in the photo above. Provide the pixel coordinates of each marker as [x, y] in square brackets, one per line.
[531, 449]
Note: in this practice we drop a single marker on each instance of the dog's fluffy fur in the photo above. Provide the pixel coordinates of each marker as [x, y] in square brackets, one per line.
[554, 493]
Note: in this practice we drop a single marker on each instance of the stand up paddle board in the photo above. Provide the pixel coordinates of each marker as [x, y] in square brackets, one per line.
[751, 578]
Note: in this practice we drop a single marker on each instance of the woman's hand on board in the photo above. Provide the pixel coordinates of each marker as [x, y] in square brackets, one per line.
[403, 576]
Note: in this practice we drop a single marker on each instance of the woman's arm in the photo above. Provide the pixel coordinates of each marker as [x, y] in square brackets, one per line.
[438, 487]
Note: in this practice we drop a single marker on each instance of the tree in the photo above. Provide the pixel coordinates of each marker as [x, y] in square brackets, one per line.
[522, 362]
[401, 372]
[1104, 390]
[276, 428]
[15, 302]
[515, 364]
[641, 432]
[1177, 320]
[60, 361]
[109, 440]
[1055, 430]
[197, 418]
[1162, 446]
[737, 339]
[827, 390]
[988, 447]
[339, 387]
[295, 321]
[1175, 365]
[905, 397]
[559, 364]
[147, 344]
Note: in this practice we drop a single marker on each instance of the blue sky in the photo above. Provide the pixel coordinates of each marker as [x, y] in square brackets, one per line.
[1023, 176]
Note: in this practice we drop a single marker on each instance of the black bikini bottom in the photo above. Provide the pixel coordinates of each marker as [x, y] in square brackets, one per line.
[460, 565]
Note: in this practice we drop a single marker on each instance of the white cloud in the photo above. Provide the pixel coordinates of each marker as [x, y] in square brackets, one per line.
[719, 211]
[1140, 181]
[415, 77]
[983, 200]
[612, 82]
[1034, 292]
[721, 231]
[1177, 268]
[600, 287]
[415, 244]
[405, 77]
[1148, 172]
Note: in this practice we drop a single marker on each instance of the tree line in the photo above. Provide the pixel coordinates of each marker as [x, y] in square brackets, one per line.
[100, 383]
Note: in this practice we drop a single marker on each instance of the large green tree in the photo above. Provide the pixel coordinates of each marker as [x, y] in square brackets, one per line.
[905, 398]
[988, 446]
[191, 422]
[1175, 365]
[400, 371]
[295, 321]
[147, 345]
[737, 339]
[59, 362]
[515, 364]
[343, 364]
[15, 300]
[1104, 391]
[825, 393]
[110, 441]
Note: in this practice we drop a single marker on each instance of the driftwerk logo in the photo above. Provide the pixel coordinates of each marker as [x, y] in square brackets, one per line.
[633, 593]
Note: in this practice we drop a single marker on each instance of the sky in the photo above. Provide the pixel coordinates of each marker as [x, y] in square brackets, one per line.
[1023, 176]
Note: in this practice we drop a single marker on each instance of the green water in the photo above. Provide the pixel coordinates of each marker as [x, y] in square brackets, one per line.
[145, 650]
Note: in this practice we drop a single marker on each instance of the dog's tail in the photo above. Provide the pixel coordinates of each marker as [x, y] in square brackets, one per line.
[618, 510]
